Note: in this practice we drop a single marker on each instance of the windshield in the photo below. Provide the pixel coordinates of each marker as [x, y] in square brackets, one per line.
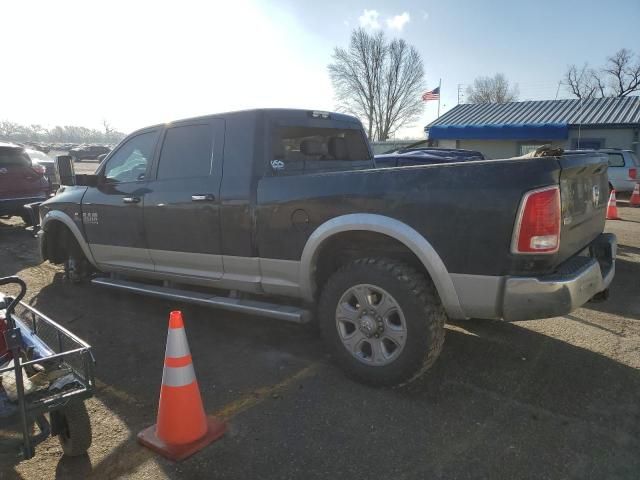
[38, 156]
[14, 157]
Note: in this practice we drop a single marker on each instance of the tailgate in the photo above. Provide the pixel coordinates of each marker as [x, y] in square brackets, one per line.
[584, 190]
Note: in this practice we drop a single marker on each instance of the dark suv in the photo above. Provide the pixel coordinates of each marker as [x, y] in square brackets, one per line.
[21, 180]
[90, 152]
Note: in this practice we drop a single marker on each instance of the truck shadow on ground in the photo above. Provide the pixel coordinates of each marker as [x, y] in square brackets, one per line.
[504, 375]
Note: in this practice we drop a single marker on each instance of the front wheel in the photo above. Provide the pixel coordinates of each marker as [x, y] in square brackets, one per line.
[382, 321]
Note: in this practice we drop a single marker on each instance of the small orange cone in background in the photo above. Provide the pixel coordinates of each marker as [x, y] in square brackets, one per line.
[612, 208]
[634, 201]
[182, 427]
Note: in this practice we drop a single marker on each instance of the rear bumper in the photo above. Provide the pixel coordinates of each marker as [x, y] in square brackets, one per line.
[512, 298]
[573, 285]
[15, 206]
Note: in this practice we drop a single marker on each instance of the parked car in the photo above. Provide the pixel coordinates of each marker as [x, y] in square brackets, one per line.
[302, 221]
[21, 181]
[40, 158]
[41, 147]
[624, 168]
[426, 156]
[90, 152]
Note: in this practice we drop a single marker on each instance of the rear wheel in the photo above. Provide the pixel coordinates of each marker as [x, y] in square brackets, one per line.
[382, 320]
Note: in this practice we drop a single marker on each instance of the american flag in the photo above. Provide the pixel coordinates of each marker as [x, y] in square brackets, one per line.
[431, 95]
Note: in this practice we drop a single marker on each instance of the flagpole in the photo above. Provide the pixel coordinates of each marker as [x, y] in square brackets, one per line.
[439, 95]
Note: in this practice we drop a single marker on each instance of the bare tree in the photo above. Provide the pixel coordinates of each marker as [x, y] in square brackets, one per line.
[8, 129]
[584, 82]
[69, 133]
[618, 78]
[624, 72]
[496, 89]
[379, 81]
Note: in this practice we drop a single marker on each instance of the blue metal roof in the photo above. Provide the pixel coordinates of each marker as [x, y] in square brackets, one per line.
[594, 112]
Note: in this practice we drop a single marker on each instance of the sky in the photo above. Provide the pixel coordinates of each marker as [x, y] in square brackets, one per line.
[134, 63]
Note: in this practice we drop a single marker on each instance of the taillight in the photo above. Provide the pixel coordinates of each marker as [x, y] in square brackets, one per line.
[633, 173]
[537, 228]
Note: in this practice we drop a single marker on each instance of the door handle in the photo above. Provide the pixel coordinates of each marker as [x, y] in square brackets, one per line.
[203, 197]
[131, 199]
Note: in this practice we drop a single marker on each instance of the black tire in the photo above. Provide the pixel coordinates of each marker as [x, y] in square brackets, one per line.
[76, 266]
[75, 436]
[420, 304]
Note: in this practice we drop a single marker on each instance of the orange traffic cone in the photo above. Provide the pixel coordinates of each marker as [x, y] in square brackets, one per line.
[182, 427]
[612, 208]
[634, 201]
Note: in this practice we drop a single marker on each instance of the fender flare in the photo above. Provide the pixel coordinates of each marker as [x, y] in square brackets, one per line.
[393, 228]
[57, 215]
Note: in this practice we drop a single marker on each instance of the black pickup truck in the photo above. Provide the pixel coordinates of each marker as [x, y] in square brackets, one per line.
[284, 213]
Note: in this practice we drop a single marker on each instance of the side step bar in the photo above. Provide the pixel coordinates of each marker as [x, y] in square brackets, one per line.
[253, 307]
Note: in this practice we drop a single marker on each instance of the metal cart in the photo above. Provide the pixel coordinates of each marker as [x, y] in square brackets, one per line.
[36, 343]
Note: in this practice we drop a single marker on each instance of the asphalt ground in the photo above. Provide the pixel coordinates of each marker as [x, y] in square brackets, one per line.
[554, 398]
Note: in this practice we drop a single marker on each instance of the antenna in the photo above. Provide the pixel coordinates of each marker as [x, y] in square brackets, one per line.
[460, 94]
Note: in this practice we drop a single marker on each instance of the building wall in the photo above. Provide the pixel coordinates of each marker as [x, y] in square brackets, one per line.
[626, 138]
[613, 137]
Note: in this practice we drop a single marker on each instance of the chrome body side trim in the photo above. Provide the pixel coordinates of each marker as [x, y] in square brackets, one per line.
[480, 295]
[57, 215]
[187, 263]
[280, 277]
[108, 256]
[248, 274]
[392, 228]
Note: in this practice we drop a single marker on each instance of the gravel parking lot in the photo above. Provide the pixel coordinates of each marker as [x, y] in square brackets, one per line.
[555, 398]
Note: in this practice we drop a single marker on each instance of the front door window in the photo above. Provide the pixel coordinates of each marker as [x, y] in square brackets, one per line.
[129, 163]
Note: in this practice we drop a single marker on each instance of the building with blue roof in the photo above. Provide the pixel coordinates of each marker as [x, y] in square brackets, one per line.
[502, 130]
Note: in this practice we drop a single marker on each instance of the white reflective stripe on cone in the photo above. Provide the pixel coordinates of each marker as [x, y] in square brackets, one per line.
[177, 345]
[178, 376]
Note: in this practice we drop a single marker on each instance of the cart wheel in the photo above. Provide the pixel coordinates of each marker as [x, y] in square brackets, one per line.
[75, 436]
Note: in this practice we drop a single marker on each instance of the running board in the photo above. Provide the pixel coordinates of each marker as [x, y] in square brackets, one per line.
[253, 307]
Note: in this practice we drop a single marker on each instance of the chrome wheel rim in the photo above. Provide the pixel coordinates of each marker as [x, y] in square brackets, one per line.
[371, 324]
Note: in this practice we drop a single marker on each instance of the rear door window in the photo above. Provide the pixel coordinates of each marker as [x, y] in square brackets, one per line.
[186, 152]
[615, 160]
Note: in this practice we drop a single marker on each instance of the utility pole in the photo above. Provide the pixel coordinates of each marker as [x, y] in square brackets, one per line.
[558, 90]
[460, 94]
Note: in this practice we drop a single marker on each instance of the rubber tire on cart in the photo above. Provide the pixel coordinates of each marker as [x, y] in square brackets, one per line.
[75, 436]
[422, 313]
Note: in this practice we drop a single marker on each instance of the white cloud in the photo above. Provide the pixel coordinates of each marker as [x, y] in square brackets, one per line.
[398, 22]
[369, 19]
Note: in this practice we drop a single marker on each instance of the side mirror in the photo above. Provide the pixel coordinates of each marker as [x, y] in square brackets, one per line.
[65, 173]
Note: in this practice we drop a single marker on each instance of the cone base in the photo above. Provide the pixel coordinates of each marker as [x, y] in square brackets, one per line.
[176, 453]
